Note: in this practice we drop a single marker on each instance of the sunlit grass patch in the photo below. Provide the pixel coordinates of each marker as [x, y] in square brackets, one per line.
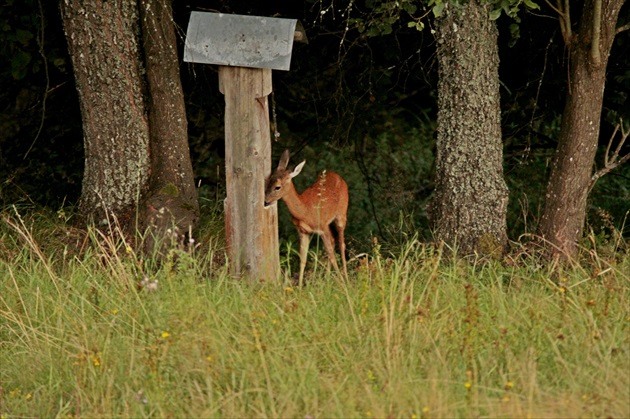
[411, 334]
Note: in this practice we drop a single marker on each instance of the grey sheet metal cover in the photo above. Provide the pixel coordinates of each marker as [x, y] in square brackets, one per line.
[237, 40]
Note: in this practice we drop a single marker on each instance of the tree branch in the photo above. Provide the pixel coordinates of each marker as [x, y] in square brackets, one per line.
[40, 44]
[563, 11]
[554, 8]
[612, 161]
[567, 22]
[597, 30]
[622, 28]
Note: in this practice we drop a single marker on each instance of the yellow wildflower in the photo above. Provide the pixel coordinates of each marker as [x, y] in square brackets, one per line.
[370, 375]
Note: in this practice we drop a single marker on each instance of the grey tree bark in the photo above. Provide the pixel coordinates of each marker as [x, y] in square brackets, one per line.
[171, 203]
[103, 41]
[137, 163]
[470, 202]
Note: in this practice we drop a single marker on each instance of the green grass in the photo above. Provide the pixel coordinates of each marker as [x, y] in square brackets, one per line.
[410, 335]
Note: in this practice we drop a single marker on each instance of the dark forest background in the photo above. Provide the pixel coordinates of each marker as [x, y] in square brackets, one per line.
[359, 102]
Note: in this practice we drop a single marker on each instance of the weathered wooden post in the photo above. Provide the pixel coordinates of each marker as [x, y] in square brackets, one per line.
[247, 48]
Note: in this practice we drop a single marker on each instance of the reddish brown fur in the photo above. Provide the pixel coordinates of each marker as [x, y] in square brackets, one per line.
[323, 203]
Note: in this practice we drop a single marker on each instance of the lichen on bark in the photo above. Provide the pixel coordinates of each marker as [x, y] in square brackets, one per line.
[104, 47]
[171, 204]
[137, 163]
[470, 201]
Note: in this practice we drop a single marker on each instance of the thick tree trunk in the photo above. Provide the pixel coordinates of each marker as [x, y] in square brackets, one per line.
[137, 163]
[172, 203]
[470, 202]
[102, 39]
[567, 190]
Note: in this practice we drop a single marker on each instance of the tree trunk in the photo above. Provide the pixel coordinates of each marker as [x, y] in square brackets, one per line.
[470, 202]
[567, 190]
[103, 39]
[172, 203]
[137, 163]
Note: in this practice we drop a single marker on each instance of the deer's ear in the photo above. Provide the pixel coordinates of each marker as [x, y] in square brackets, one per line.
[297, 169]
[284, 160]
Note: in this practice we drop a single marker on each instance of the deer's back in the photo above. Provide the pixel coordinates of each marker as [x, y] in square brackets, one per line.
[328, 198]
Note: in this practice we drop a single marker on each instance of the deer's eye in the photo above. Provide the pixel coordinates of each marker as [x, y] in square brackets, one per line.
[277, 188]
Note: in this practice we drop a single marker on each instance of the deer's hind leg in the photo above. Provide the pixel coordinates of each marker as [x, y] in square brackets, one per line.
[329, 244]
[340, 226]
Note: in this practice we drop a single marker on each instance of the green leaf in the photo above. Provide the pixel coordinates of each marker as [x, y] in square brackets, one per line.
[418, 25]
[410, 8]
[19, 64]
[60, 63]
[531, 5]
[515, 34]
[373, 31]
[23, 36]
[494, 15]
[438, 9]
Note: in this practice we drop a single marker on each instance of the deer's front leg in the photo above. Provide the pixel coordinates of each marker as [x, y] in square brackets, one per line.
[305, 239]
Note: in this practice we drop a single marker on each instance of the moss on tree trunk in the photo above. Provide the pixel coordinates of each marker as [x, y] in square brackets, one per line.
[171, 203]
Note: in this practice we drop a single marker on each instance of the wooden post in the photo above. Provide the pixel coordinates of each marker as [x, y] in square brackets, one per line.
[246, 48]
[251, 228]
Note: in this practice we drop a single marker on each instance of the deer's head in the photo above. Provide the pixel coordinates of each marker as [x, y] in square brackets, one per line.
[279, 182]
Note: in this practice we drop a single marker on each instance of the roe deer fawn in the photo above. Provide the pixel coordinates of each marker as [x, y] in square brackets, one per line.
[324, 202]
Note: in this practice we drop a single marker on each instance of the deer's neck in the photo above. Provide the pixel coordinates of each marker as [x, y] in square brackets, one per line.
[296, 206]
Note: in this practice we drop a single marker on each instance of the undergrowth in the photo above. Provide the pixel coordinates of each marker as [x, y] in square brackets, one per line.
[91, 328]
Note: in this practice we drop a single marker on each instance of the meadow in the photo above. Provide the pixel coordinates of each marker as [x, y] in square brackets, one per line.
[411, 334]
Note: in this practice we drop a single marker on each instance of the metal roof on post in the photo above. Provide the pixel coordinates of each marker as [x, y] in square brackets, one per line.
[239, 40]
[247, 49]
